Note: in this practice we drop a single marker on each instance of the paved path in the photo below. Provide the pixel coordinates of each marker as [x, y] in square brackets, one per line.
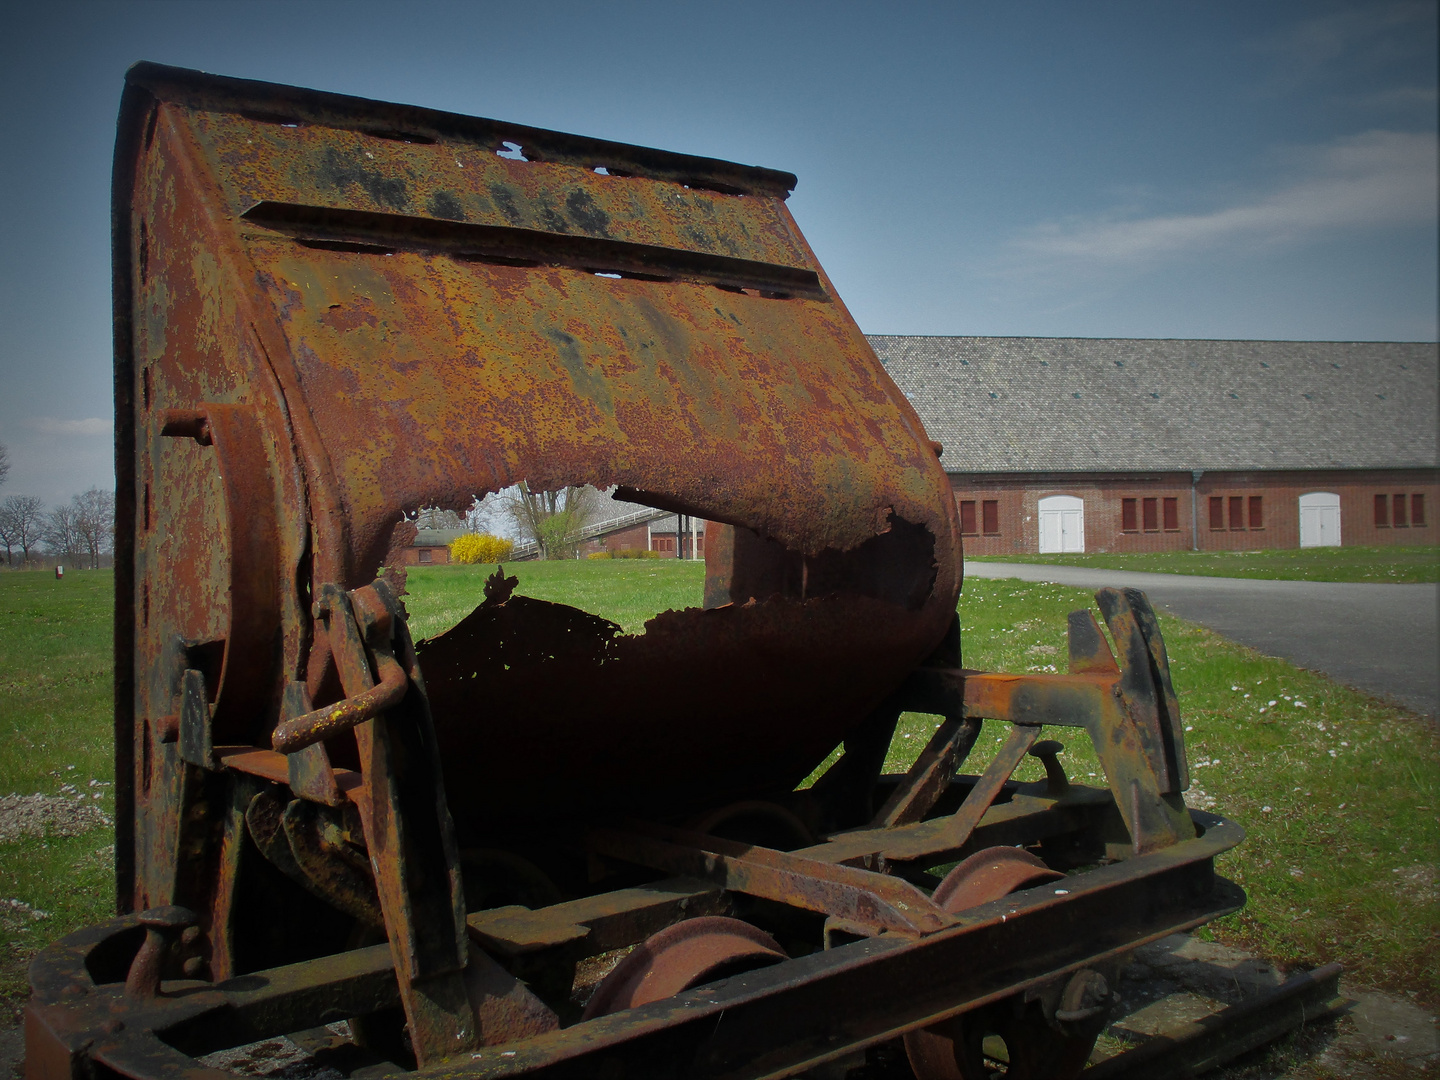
[1384, 639]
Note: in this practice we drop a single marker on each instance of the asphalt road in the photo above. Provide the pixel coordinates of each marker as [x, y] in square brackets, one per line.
[1383, 639]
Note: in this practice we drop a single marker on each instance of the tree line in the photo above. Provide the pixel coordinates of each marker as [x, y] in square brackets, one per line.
[80, 531]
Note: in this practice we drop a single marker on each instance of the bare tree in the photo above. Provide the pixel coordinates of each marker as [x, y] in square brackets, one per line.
[432, 517]
[4, 462]
[551, 518]
[22, 518]
[95, 523]
[59, 532]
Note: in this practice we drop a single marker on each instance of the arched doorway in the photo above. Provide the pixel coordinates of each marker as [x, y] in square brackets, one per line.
[1320, 519]
[1062, 524]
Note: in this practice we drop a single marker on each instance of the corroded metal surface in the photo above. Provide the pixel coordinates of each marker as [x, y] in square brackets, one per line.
[398, 314]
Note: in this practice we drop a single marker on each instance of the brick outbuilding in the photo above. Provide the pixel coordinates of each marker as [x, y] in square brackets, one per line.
[1127, 445]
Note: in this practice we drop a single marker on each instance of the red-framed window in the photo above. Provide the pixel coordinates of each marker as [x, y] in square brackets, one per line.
[1233, 512]
[967, 518]
[1150, 514]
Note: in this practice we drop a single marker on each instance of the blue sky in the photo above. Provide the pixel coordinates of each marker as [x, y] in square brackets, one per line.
[1107, 169]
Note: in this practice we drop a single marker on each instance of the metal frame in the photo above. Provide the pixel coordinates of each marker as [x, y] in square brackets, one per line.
[330, 312]
[895, 961]
[775, 1022]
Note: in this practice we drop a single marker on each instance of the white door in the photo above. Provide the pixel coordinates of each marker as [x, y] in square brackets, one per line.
[1062, 524]
[1320, 519]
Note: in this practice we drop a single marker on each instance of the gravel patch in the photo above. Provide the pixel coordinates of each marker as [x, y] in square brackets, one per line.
[48, 815]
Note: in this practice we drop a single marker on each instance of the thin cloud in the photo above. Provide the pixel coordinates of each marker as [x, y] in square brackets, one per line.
[1398, 97]
[1357, 38]
[90, 426]
[1378, 180]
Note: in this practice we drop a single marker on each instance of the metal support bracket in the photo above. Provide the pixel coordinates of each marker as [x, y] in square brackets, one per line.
[408, 830]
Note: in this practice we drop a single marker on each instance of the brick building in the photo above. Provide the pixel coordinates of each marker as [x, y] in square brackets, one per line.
[431, 547]
[1090, 444]
[691, 537]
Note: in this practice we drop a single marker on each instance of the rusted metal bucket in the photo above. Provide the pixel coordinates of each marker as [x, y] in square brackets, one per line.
[368, 309]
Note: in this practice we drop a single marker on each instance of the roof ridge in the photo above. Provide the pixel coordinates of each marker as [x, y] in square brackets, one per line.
[1247, 341]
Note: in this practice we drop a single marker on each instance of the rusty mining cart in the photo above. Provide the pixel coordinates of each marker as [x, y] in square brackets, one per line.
[331, 311]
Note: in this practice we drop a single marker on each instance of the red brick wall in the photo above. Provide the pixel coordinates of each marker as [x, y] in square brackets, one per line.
[636, 539]
[1017, 519]
[437, 556]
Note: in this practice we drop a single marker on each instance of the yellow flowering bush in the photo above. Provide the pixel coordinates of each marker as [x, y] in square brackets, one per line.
[480, 548]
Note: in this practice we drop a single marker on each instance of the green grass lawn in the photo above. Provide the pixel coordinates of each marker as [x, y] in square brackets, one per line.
[1337, 791]
[55, 677]
[1397, 565]
[625, 591]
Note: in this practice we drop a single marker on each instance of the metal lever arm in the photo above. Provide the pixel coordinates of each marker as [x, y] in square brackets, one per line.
[302, 731]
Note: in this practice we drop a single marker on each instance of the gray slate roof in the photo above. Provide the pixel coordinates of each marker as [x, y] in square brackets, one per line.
[1122, 405]
[437, 537]
[666, 525]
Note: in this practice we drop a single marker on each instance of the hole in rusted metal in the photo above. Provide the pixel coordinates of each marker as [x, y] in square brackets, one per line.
[632, 275]
[711, 185]
[145, 386]
[399, 136]
[304, 572]
[518, 673]
[494, 260]
[272, 118]
[345, 245]
[512, 150]
[144, 253]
